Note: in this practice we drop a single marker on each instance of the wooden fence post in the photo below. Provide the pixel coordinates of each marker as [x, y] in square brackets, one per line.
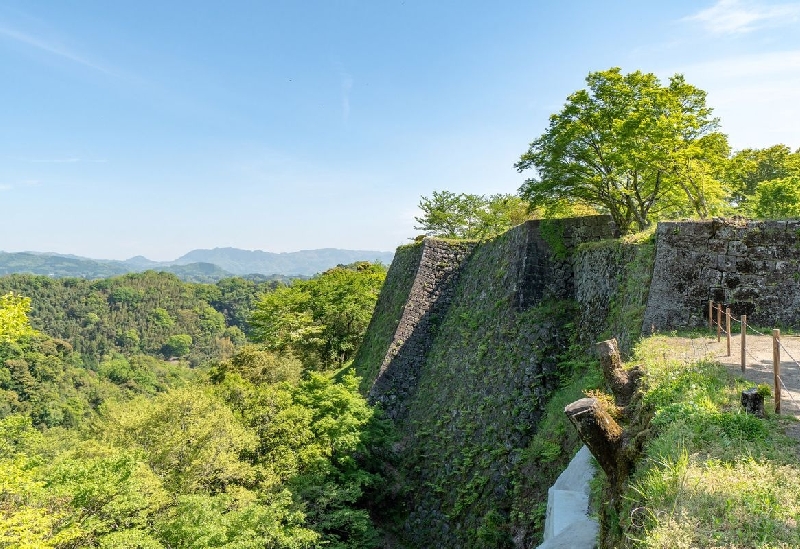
[728, 328]
[776, 367]
[719, 321]
[744, 342]
[711, 315]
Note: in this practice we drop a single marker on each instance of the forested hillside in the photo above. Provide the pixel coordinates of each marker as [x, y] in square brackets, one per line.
[206, 266]
[145, 313]
[134, 413]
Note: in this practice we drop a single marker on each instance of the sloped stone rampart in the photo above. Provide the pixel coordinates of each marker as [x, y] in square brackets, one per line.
[751, 266]
[468, 373]
[428, 299]
[462, 350]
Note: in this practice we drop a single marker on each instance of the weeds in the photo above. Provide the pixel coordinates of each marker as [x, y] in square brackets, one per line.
[711, 475]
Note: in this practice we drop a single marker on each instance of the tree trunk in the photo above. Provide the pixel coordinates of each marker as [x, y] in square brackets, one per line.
[753, 402]
[601, 434]
[622, 383]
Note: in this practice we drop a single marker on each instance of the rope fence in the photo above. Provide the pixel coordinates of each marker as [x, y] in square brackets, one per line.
[715, 309]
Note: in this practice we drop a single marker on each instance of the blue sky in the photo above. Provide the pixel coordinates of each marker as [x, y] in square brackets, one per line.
[153, 128]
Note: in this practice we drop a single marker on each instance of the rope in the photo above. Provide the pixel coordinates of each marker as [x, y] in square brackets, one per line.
[785, 388]
[749, 328]
[788, 353]
[757, 332]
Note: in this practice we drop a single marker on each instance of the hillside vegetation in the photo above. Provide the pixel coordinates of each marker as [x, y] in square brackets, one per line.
[710, 475]
[105, 443]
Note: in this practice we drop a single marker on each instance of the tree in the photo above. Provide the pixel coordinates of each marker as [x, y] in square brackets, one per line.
[14, 322]
[747, 168]
[778, 198]
[624, 146]
[178, 345]
[321, 320]
[189, 438]
[450, 215]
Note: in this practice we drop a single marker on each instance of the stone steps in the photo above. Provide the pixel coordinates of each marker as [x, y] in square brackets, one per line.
[567, 524]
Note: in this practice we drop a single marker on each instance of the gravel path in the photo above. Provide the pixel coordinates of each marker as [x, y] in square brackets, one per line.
[759, 362]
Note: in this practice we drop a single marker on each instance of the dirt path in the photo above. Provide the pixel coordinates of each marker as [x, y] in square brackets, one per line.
[759, 362]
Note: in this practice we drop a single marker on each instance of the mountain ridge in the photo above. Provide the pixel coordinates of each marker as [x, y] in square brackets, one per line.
[200, 265]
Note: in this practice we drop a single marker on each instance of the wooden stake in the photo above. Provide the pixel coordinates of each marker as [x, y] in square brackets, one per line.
[719, 321]
[776, 367]
[728, 327]
[744, 342]
[711, 315]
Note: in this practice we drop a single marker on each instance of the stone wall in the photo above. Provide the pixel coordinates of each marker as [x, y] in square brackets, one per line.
[470, 368]
[427, 301]
[612, 280]
[751, 266]
[546, 270]
[463, 348]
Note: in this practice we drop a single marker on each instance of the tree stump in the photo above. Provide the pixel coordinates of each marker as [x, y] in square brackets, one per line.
[622, 383]
[753, 402]
[601, 434]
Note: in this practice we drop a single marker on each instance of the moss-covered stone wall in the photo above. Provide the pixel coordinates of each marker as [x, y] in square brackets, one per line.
[752, 266]
[478, 350]
[475, 348]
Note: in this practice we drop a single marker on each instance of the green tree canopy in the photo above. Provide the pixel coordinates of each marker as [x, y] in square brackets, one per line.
[14, 322]
[178, 345]
[629, 146]
[321, 320]
[747, 168]
[778, 198]
[450, 215]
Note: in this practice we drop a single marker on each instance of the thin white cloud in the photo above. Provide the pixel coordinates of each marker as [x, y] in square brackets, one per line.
[783, 64]
[347, 86]
[54, 48]
[5, 187]
[738, 17]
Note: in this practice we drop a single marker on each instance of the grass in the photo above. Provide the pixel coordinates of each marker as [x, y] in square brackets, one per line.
[711, 475]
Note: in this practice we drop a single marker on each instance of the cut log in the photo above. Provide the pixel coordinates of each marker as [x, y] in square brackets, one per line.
[753, 402]
[601, 434]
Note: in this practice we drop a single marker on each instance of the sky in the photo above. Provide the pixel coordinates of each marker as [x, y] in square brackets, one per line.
[154, 128]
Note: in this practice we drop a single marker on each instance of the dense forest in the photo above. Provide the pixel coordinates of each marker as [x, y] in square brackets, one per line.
[135, 412]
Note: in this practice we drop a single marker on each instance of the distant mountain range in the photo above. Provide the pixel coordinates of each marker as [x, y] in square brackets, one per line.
[195, 266]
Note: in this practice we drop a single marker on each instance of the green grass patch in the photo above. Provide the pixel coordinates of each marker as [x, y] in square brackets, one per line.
[710, 475]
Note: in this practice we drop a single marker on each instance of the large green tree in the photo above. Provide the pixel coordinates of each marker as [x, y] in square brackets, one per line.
[14, 322]
[629, 146]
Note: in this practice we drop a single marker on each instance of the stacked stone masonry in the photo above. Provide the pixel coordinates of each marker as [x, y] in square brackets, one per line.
[428, 299]
[464, 359]
[751, 266]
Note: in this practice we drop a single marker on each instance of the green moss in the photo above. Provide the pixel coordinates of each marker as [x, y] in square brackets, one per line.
[552, 231]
